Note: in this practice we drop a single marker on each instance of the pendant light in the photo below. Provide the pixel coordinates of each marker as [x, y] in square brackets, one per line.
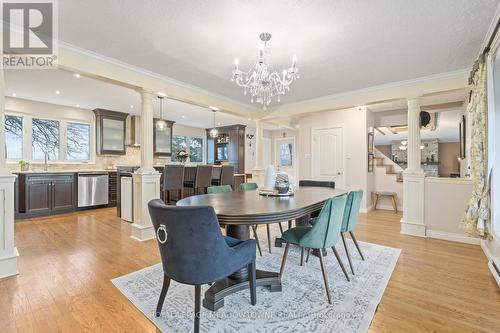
[161, 125]
[214, 132]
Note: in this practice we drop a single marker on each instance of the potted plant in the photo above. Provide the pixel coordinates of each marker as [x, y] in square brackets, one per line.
[182, 155]
[25, 165]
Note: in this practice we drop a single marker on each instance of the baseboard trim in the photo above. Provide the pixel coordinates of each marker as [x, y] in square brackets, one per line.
[8, 265]
[412, 229]
[142, 233]
[454, 237]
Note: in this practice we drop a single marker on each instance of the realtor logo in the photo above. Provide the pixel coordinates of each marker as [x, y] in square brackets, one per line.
[29, 33]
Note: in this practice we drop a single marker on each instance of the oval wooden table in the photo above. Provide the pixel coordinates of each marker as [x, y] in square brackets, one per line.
[238, 210]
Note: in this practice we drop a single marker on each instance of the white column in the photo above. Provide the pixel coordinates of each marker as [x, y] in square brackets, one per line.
[146, 184]
[8, 252]
[258, 172]
[413, 222]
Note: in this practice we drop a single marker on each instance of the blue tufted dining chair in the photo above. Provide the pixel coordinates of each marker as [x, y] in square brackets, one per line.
[349, 222]
[324, 234]
[193, 250]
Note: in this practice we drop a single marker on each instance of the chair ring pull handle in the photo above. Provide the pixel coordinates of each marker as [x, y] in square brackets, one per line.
[164, 229]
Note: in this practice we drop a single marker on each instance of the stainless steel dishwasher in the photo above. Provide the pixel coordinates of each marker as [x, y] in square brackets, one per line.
[92, 189]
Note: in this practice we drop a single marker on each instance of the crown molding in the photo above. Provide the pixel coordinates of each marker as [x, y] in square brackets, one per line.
[151, 74]
[370, 95]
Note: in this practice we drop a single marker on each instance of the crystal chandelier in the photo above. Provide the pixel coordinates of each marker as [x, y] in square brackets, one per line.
[262, 81]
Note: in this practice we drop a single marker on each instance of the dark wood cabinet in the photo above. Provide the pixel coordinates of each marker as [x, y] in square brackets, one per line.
[110, 132]
[162, 140]
[46, 193]
[229, 147]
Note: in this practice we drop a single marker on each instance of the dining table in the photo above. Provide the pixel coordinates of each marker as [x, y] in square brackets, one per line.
[239, 210]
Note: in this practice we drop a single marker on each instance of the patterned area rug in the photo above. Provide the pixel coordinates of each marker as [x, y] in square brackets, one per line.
[301, 307]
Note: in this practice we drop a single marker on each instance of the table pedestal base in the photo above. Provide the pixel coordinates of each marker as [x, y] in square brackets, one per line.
[214, 296]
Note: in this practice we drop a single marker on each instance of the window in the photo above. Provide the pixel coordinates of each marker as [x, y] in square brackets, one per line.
[196, 150]
[14, 137]
[286, 154]
[194, 146]
[178, 144]
[45, 139]
[78, 142]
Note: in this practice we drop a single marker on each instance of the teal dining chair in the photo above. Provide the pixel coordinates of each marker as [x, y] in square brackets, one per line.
[349, 222]
[250, 187]
[324, 234]
[219, 189]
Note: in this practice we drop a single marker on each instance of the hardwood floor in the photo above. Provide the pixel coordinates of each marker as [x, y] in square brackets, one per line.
[67, 262]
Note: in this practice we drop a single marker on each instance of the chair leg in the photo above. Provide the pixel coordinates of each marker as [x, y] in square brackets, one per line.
[357, 245]
[163, 293]
[394, 204]
[340, 263]
[252, 280]
[376, 202]
[283, 261]
[197, 299]
[268, 237]
[301, 256]
[290, 224]
[281, 228]
[254, 229]
[307, 257]
[325, 278]
[347, 252]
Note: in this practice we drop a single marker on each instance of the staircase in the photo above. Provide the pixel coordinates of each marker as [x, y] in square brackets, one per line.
[387, 177]
[389, 168]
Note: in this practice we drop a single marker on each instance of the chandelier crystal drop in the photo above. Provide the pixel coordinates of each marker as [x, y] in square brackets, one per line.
[262, 82]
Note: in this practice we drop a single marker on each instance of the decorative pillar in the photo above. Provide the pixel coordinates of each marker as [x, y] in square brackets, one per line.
[8, 252]
[413, 222]
[258, 171]
[146, 180]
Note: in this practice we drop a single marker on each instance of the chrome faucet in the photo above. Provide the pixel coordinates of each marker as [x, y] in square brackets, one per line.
[45, 165]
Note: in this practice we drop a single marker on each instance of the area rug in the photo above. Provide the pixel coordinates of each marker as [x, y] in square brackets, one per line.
[301, 307]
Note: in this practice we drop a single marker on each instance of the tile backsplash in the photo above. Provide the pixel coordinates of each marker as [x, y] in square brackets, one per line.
[102, 162]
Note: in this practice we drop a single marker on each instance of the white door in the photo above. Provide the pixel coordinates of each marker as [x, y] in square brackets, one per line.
[328, 156]
[285, 157]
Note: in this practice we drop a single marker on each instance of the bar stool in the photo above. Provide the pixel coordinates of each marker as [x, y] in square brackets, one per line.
[203, 179]
[216, 173]
[227, 175]
[173, 180]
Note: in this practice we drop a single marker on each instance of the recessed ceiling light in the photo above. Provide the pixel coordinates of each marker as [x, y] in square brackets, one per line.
[131, 106]
[58, 92]
[183, 117]
[78, 105]
[14, 94]
[77, 75]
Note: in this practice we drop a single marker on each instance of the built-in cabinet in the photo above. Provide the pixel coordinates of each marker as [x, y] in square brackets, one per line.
[228, 147]
[110, 132]
[45, 194]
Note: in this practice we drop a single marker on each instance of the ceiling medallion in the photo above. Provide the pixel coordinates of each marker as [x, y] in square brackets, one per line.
[262, 81]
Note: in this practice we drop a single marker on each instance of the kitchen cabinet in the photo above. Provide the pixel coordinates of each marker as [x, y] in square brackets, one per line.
[228, 147]
[162, 140]
[110, 132]
[46, 193]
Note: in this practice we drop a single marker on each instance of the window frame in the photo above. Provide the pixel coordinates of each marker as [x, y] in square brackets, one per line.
[63, 123]
[189, 139]
[23, 147]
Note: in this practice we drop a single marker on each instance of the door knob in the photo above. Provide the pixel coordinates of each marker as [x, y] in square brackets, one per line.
[339, 173]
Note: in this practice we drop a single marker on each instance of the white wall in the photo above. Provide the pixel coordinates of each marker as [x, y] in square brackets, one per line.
[354, 124]
[445, 202]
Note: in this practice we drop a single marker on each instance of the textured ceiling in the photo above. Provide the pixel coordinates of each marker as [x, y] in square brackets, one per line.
[341, 45]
